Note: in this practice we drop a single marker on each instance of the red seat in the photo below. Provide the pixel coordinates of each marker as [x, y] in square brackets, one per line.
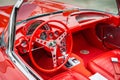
[69, 75]
[104, 65]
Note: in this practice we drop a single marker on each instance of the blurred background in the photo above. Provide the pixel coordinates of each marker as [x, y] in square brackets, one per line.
[104, 5]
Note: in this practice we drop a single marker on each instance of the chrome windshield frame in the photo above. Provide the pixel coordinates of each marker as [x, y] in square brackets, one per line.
[12, 26]
[21, 65]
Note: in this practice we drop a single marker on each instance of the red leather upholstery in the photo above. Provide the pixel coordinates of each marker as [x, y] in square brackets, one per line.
[104, 65]
[69, 75]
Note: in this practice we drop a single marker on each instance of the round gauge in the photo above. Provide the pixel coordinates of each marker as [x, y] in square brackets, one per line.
[43, 36]
[34, 25]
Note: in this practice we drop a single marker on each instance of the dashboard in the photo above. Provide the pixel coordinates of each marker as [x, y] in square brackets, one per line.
[77, 21]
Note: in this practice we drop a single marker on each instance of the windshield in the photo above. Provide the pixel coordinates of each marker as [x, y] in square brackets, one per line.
[7, 2]
[102, 5]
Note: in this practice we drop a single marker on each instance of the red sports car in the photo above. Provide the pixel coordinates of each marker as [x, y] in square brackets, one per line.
[51, 40]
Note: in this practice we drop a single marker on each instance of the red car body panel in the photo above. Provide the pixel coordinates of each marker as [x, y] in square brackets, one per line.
[4, 16]
[8, 71]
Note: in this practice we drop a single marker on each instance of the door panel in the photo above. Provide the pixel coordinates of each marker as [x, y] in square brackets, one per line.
[109, 34]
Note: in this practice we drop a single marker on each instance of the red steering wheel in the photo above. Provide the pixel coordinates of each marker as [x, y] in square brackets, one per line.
[59, 45]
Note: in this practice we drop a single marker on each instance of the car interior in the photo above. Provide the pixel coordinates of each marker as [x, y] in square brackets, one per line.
[85, 44]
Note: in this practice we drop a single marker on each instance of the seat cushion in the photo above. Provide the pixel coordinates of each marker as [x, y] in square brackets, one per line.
[104, 65]
[69, 75]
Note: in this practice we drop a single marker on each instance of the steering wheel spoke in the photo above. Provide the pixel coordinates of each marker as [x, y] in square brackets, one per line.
[54, 58]
[43, 42]
[60, 38]
[64, 56]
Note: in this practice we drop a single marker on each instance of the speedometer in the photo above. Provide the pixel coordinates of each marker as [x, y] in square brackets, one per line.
[34, 25]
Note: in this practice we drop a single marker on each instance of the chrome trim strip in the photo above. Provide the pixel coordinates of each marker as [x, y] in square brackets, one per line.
[27, 71]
